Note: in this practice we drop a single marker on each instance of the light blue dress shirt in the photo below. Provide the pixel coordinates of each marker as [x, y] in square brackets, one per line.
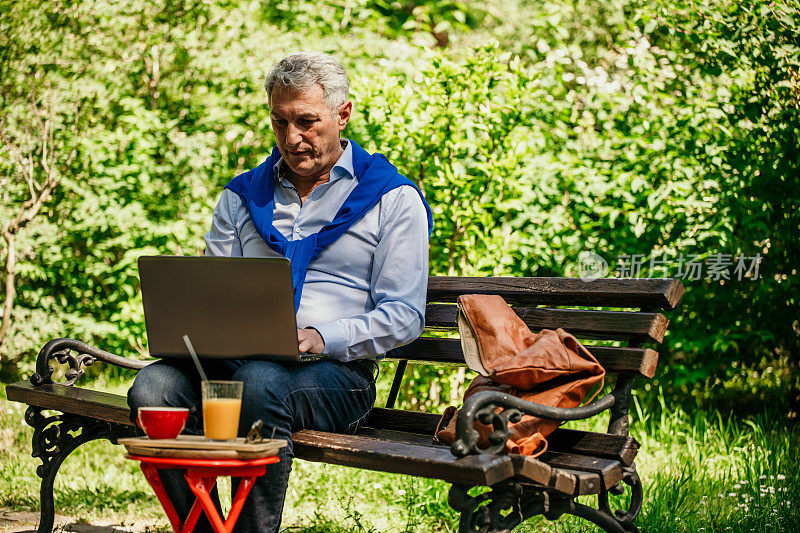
[365, 293]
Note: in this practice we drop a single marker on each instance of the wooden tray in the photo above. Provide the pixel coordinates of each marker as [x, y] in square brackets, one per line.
[199, 447]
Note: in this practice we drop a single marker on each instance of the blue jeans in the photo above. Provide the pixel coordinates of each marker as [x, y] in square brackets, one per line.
[325, 395]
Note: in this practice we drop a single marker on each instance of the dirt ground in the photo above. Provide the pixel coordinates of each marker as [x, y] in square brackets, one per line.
[26, 522]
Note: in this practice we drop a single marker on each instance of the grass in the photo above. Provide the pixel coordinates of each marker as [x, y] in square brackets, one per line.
[702, 471]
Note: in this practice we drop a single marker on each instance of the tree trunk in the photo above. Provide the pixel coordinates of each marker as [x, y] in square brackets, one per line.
[8, 304]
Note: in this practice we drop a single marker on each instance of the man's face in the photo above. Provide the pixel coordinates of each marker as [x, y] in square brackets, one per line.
[306, 131]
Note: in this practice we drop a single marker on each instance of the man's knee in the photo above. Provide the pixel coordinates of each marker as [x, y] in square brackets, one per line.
[266, 386]
[263, 379]
[159, 384]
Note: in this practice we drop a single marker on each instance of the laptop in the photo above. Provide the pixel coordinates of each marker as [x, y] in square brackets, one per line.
[230, 307]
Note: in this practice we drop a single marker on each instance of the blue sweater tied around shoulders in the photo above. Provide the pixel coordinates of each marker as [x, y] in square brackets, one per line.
[376, 176]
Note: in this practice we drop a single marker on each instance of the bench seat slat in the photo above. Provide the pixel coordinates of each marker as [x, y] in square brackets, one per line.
[603, 445]
[640, 362]
[568, 481]
[416, 439]
[648, 293]
[582, 323]
[412, 454]
[616, 447]
[585, 482]
[73, 400]
[400, 458]
[610, 471]
[398, 419]
[609, 468]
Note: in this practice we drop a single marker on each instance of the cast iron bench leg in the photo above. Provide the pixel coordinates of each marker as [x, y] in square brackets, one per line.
[510, 503]
[54, 438]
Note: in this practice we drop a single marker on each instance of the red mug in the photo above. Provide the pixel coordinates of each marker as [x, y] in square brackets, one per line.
[162, 422]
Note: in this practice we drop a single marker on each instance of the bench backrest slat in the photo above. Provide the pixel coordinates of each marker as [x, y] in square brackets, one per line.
[626, 310]
[649, 293]
[582, 323]
[640, 362]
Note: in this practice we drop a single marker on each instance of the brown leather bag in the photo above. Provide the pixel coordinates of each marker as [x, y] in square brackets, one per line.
[550, 368]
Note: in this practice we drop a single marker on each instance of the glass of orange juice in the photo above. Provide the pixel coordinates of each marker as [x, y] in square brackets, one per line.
[222, 402]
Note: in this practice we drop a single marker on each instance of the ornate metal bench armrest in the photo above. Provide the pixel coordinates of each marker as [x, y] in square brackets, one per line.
[481, 407]
[84, 355]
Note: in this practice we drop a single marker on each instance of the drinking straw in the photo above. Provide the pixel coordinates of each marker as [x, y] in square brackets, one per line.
[194, 357]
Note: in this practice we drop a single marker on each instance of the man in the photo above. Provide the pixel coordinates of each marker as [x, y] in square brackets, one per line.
[357, 235]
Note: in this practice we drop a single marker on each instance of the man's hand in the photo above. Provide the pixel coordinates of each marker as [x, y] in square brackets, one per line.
[310, 341]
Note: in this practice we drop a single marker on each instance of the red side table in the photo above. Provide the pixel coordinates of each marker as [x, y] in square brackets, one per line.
[201, 474]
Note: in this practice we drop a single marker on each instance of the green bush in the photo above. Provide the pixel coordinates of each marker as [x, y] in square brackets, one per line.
[537, 131]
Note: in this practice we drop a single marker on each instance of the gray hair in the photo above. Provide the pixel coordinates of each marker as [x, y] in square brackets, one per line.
[303, 70]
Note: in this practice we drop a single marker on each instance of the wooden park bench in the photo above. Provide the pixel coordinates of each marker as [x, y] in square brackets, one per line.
[398, 441]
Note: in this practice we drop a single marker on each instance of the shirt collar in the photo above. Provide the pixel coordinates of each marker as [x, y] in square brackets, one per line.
[343, 168]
